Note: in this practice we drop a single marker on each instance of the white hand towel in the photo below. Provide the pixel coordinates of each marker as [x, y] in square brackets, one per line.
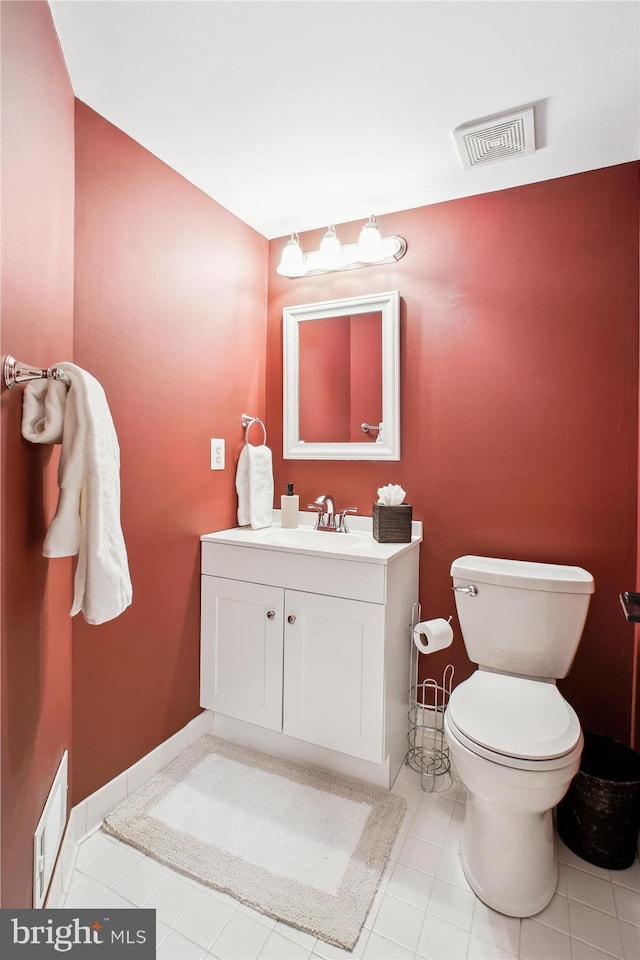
[254, 485]
[87, 520]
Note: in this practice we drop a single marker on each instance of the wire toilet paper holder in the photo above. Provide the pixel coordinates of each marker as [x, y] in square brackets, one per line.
[427, 751]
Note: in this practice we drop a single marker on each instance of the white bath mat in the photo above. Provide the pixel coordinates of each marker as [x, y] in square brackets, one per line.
[298, 844]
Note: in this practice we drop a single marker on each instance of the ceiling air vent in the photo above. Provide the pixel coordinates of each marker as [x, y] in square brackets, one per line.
[496, 138]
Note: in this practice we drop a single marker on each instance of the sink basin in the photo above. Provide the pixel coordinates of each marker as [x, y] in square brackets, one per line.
[306, 538]
[357, 544]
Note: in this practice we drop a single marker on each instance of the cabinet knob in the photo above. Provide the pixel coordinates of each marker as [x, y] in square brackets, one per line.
[291, 618]
[270, 614]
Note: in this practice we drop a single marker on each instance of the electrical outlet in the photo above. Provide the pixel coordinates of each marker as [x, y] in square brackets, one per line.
[217, 454]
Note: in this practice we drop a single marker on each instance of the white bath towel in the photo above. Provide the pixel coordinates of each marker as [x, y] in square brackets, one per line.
[87, 519]
[254, 485]
[43, 406]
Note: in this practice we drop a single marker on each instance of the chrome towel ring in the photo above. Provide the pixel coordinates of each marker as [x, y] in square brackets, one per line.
[248, 422]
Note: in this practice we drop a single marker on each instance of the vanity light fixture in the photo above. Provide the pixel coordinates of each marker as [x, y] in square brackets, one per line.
[371, 248]
[292, 263]
[330, 252]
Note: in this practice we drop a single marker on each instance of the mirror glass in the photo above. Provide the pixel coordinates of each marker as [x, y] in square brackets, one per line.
[341, 379]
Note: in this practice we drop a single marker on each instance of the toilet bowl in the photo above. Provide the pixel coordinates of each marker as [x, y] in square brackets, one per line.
[507, 842]
[514, 740]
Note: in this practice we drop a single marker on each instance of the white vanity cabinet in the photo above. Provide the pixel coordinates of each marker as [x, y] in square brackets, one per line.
[305, 644]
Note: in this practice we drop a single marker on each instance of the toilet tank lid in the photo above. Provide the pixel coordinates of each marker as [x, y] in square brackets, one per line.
[525, 574]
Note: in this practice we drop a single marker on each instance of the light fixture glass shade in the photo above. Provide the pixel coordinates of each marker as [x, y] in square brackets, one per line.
[370, 246]
[330, 252]
[292, 261]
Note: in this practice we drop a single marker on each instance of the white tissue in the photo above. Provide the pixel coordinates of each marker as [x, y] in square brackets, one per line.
[392, 495]
[432, 635]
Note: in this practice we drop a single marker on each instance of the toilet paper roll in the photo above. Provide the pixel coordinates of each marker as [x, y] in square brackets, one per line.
[432, 635]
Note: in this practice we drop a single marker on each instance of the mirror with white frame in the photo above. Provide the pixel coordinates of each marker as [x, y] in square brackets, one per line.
[342, 379]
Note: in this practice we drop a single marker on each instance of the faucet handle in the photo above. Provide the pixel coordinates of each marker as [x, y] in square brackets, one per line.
[319, 512]
[341, 518]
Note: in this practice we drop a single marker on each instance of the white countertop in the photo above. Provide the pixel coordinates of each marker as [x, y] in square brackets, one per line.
[358, 544]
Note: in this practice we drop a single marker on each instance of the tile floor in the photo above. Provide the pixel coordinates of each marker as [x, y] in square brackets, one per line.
[424, 908]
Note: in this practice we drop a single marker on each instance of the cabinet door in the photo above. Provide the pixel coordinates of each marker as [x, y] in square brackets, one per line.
[334, 673]
[241, 650]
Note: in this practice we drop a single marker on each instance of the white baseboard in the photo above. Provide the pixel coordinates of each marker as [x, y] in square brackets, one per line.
[87, 815]
[48, 835]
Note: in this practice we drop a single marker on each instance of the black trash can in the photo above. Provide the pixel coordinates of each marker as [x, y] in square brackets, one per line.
[599, 817]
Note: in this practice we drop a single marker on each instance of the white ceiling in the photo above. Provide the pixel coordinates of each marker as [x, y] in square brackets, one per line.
[298, 114]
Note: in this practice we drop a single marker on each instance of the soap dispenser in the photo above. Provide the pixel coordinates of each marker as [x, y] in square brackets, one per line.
[289, 506]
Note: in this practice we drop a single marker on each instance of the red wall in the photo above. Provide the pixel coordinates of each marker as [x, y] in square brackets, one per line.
[36, 326]
[519, 359]
[170, 305]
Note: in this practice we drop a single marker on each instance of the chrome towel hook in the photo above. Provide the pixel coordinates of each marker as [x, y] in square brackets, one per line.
[17, 372]
[368, 427]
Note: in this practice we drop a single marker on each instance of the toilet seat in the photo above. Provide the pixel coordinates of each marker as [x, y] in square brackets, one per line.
[514, 721]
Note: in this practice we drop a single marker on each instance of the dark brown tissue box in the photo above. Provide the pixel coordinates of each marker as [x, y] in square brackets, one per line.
[392, 524]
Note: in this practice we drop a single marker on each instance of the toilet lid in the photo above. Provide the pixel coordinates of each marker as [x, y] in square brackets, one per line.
[528, 719]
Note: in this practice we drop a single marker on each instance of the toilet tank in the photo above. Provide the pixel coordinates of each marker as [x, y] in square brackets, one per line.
[525, 618]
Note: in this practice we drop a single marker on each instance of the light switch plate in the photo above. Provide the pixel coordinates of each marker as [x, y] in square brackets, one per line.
[217, 454]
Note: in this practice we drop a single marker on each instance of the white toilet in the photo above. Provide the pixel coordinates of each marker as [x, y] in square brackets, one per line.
[515, 742]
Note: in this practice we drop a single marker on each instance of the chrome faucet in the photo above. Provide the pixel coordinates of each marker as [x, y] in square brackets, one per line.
[327, 519]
